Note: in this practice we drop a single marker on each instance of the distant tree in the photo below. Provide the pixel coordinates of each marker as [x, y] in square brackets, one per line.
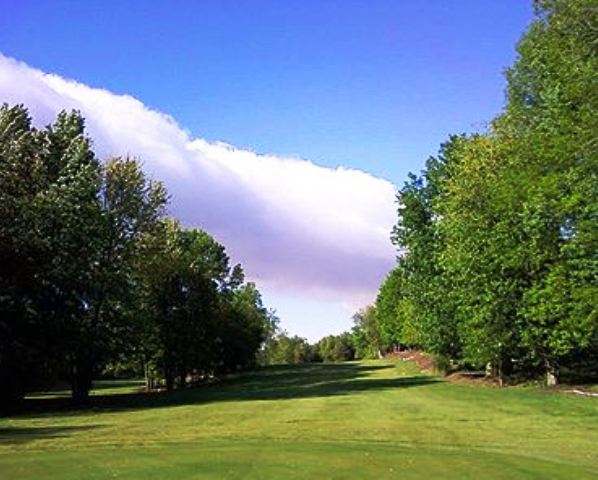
[336, 348]
[365, 335]
[283, 349]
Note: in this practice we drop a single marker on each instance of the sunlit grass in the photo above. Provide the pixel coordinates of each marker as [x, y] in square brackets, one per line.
[359, 420]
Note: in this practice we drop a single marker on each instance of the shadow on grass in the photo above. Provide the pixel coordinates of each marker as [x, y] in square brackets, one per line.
[20, 435]
[98, 386]
[272, 383]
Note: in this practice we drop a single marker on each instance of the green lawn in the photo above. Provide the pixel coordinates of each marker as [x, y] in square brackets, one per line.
[356, 420]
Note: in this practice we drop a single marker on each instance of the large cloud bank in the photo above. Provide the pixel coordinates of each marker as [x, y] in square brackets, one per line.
[294, 225]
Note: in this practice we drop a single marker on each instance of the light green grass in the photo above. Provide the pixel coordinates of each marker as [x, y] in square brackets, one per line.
[359, 420]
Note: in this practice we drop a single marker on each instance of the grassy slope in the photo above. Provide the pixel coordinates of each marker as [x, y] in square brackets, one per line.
[368, 420]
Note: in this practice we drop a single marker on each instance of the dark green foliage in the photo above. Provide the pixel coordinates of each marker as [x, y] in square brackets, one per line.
[197, 317]
[92, 278]
[52, 225]
[245, 326]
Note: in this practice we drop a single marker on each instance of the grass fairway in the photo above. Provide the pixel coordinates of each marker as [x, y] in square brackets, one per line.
[356, 420]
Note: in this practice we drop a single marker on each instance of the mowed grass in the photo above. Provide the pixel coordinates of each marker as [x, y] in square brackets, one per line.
[357, 420]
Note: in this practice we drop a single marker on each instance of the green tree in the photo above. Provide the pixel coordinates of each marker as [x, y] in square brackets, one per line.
[551, 122]
[480, 253]
[284, 349]
[130, 207]
[336, 348]
[391, 319]
[498, 237]
[27, 326]
[426, 305]
[366, 339]
[50, 192]
[199, 317]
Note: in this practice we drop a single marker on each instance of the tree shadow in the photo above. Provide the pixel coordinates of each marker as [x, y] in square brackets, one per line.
[21, 435]
[63, 390]
[272, 383]
[110, 384]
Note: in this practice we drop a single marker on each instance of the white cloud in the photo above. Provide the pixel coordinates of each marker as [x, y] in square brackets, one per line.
[294, 225]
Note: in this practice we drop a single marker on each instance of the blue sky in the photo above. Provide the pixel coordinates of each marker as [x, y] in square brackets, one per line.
[370, 85]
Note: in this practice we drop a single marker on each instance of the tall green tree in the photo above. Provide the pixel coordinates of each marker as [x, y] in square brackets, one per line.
[392, 316]
[425, 302]
[199, 316]
[130, 207]
[50, 183]
[26, 321]
[68, 238]
[498, 236]
[551, 123]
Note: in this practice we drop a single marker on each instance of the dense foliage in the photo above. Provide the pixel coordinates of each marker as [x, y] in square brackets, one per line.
[336, 348]
[92, 275]
[282, 349]
[498, 236]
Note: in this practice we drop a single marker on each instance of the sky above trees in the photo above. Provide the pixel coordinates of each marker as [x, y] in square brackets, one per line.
[364, 92]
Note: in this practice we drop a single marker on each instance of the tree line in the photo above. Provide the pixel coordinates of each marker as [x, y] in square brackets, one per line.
[94, 276]
[284, 349]
[498, 235]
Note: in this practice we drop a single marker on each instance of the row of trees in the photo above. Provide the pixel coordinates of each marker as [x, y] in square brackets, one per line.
[92, 273]
[282, 348]
[498, 236]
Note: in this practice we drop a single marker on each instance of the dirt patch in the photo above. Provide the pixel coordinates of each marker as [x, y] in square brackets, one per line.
[474, 378]
[426, 364]
[579, 391]
[576, 390]
[424, 361]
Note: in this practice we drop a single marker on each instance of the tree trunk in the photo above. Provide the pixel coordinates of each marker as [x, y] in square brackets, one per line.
[12, 375]
[183, 378]
[501, 380]
[148, 378]
[81, 381]
[552, 374]
[169, 378]
[495, 369]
